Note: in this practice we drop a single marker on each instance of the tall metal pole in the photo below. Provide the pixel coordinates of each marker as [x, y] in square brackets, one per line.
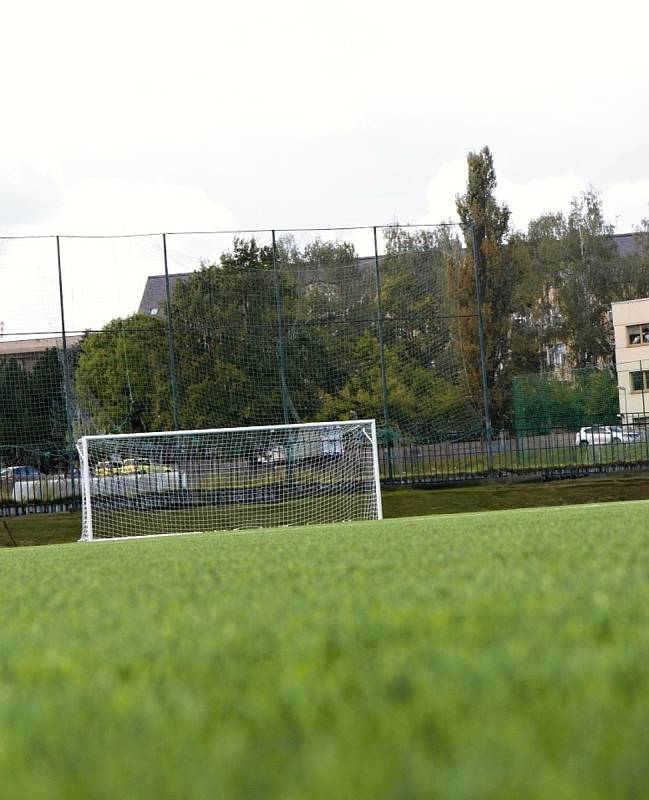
[67, 401]
[384, 377]
[170, 341]
[644, 412]
[281, 345]
[483, 360]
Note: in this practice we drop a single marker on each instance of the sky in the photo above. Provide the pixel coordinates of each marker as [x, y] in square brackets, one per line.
[129, 117]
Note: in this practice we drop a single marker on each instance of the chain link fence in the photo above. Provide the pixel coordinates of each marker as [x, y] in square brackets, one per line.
[209, 330]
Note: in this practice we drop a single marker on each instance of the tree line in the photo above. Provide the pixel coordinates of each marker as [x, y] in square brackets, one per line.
[33, 410]
[287, 333]
[283, 335]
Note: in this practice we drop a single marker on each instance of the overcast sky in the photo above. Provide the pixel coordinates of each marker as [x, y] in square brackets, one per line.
[148, 116]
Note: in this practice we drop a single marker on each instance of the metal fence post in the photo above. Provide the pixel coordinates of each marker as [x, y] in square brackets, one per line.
[644, 411]
[170, 341]
[483, 362]
[67, 401]
[281, 345]
[384, 377]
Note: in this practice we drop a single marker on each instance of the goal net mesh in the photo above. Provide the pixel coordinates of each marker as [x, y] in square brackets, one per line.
[191, 481]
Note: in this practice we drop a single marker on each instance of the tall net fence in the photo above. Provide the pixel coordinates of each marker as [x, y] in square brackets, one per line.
[147, 333]
[208, 330]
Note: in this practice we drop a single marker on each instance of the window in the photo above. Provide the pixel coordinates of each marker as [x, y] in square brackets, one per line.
[154, 311]
[638, 334]
[639, 381]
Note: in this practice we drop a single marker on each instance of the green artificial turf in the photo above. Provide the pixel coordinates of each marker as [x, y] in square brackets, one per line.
[497, 655]
[30, 529]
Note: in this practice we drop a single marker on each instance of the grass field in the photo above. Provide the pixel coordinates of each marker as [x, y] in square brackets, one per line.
[32, 529]
[496, 655]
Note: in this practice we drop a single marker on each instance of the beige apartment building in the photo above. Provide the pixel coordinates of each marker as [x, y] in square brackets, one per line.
[631, 327]
[27, 351]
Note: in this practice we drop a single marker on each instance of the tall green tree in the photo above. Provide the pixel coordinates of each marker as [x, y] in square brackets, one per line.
[225, 326]
[577, 272]
[428, 391]
[502, 270]
[17, 425]
[33, 422]
[122, 379]
[586, 281]
[329, 304]
[47, 401]
[543, 319]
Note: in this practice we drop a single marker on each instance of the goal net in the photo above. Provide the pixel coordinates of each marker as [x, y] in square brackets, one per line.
[176, 482]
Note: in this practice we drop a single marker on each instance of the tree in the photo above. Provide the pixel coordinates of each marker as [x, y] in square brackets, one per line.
[577, 272]
[427, 386]
[47, 401]
[502, 270]
[226, 326]
[122, 380]
[586, 281]
[422, 404]
[262, 339]
[33, 421]
[16, 421]
[329, 302]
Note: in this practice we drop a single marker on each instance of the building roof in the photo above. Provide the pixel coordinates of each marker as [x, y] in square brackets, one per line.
[22, 347]
[628, 244]
[155, 291]
[627, 302]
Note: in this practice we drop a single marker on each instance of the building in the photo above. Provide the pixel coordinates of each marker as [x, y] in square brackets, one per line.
[631, 329]
[27, 351]
[154, 296]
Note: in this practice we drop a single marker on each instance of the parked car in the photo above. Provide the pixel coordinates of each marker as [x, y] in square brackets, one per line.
[130, 466]
[606, 434]
[627, 434]
[274, 455]
[18, 474]
[103, 469]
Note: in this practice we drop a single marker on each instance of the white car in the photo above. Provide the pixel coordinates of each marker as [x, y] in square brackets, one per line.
[606, 434]
[13, 475]
[274, 455]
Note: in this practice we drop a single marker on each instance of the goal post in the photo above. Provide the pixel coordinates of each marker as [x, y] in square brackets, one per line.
[174, 482]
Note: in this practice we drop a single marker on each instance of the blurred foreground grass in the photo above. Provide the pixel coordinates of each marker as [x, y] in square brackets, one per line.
[498, 655]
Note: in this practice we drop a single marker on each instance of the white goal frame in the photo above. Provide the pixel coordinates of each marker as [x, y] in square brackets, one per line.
[89, 483]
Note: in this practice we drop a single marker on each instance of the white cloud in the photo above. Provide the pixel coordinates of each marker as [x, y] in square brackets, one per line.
[146, 73]
[626, 204]
[121, 207]
[102, 277]
[30, 190]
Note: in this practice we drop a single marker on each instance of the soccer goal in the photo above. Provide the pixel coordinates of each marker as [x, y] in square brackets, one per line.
[173, 482]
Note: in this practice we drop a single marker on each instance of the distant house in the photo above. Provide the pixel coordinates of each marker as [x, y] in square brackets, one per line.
[27, 351]
[628, 244]
[631, 327]
[154, 296]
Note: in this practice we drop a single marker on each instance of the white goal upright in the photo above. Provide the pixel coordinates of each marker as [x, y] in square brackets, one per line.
[172, 482]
